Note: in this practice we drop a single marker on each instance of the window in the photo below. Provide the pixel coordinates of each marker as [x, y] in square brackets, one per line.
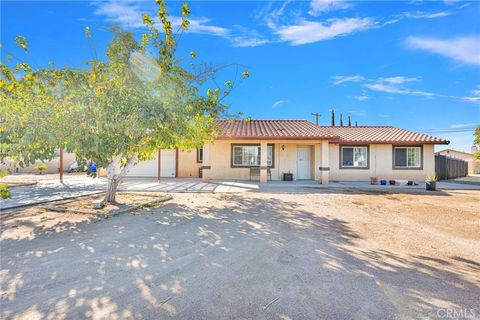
[407, 157]
[249, 155]
[200, 155]
[354, 157]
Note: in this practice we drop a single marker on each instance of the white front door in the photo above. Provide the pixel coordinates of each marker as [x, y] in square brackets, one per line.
[303, 163]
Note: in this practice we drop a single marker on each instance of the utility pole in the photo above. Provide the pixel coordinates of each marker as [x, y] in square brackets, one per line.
[316, 114]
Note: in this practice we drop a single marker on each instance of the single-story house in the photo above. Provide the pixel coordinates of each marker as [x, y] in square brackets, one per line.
[299, 147]
[473, 164]
[53, 166]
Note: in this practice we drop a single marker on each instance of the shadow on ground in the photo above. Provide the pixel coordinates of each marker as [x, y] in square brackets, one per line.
[254, 258]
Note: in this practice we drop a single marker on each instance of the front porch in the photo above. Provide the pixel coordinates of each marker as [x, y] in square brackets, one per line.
[233, 160]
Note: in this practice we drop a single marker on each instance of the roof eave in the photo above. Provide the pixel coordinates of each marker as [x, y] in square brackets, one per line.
[273, 138]
[397, 142]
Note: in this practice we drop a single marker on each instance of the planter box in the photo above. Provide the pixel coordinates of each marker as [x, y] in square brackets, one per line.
[431, 185]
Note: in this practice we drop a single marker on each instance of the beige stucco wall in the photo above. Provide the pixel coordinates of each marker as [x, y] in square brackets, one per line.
[188, 167]
[53, 166]
[285, 160]
[380, 165]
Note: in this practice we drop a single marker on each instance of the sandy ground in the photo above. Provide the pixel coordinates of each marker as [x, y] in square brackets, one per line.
[320, 255]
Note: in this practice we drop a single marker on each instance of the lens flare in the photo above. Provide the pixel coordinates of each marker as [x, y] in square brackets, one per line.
[145, 68]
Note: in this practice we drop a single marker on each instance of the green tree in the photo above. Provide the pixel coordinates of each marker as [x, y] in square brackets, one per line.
[341, 120]
[476, 142]
[333, 118]
[349, 122]
[115, 112]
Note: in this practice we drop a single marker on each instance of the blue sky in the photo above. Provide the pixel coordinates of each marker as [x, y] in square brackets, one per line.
[414, 64]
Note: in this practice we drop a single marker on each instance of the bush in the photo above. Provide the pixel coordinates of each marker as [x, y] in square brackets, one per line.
[41, 167]
[4, 192]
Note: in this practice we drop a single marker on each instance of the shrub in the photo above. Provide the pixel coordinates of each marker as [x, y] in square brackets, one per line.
[41, 167]
[4, 192]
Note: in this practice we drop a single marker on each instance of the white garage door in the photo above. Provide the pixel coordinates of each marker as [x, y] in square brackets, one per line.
[167, 163]
[149, 168]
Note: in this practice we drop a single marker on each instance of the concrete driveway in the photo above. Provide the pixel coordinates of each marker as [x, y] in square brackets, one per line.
[247, 256]
[79, 185]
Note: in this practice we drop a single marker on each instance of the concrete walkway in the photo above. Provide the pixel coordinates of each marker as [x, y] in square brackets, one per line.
[75, 186]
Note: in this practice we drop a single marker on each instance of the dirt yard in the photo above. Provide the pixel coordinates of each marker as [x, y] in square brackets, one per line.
[339, 254]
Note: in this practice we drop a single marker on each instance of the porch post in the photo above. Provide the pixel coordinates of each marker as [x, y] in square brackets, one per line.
[318, 162]
[263, 162]
[159, 164]
[325, 168]
[61, 165]
[206, 163]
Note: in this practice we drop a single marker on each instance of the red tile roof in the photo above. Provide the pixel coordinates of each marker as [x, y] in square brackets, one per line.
[305, 130]
[381, 134]
[272, 129]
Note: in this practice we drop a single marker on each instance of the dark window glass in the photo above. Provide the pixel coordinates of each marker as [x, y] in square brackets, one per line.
[347, 157]
[400, 157]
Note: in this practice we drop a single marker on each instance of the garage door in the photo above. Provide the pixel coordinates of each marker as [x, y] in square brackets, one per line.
[149, 168]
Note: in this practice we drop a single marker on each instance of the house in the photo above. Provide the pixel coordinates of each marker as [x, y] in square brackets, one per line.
[53, 166]
[322, 153]
[473, 164]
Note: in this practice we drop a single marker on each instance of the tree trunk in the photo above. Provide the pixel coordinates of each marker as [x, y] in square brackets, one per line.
[110, 195]
[115, 175]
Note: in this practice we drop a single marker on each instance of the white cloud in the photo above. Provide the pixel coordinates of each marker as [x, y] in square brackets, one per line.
[122, 13]
[398, 79]
[474, 96]
[312, 31]
[246, 37]
[278, 103]
[129, 15]
[450, 2]
[246, 41]
[465, 50]
[393, 85]
[342, 79]
[427, 15]
[462, 125]
[362, 97]
[396, 89]
[319, 6]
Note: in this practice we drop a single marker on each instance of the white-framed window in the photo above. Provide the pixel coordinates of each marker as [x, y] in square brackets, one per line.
[407, 157]
[249, 155]
[354, 157]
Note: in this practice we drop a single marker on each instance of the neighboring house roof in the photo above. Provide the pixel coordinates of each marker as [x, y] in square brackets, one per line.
[382, 134]
[305, 130]
[454, 151]
[272, 129]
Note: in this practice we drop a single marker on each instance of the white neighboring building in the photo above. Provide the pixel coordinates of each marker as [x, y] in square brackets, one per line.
[53, 166]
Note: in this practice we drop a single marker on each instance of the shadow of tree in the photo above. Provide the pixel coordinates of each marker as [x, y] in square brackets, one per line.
[245, 258]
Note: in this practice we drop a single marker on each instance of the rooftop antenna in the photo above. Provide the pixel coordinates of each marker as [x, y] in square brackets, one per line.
[316, 114]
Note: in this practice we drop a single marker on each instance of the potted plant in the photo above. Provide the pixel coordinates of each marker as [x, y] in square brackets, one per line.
[41, 167]
[431, 182]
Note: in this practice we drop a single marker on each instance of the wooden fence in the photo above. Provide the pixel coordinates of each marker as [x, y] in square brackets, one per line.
[450, 168]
